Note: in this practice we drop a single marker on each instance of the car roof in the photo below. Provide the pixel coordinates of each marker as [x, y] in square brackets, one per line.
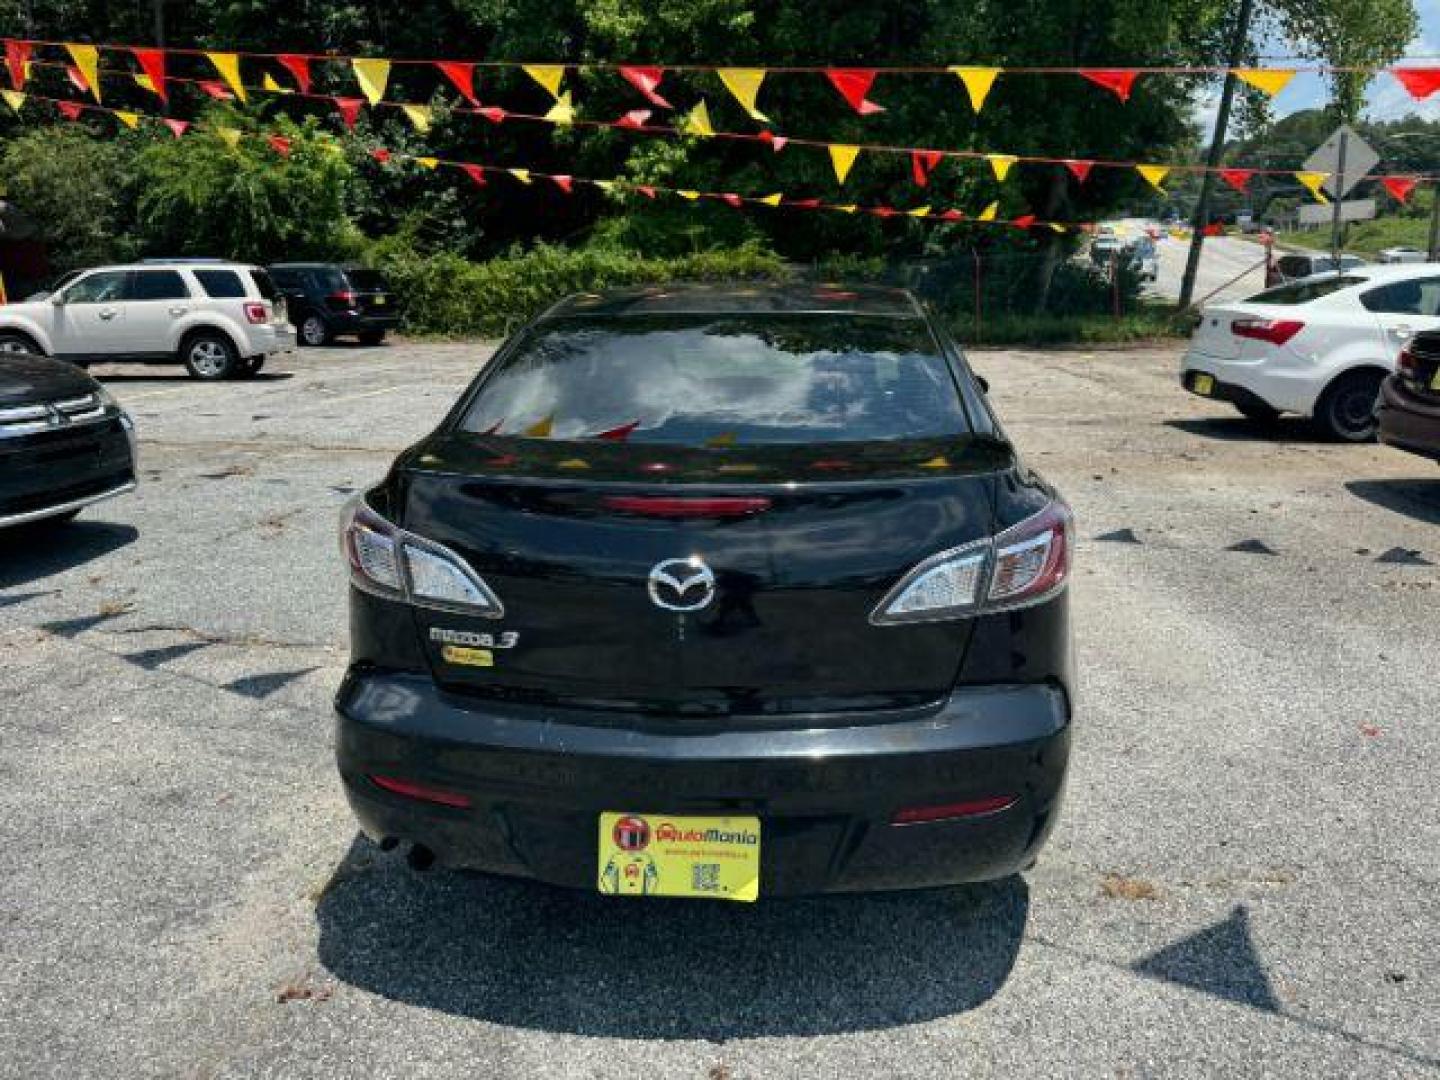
[757, 299]
[177, 264]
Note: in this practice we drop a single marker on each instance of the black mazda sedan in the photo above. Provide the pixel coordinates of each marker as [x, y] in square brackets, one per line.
[713, 592]
[64, 442]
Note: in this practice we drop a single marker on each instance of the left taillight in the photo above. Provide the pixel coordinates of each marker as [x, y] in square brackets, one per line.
[388, 561]
[257, 314]
[1026, 564]
[1274, 331]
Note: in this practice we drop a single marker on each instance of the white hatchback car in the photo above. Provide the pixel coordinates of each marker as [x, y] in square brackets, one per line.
[220, 319]
[1318, 347]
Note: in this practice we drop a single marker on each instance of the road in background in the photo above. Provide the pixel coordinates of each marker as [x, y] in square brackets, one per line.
[1234, 266]
[1243, 880]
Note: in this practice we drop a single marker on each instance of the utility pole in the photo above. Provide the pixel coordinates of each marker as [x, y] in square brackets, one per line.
[1217, 148]
[1435, 223]
[1336, 225]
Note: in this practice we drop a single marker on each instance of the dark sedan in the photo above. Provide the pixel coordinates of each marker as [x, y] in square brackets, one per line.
[1409, 407]
[64, 442]
[714, 593]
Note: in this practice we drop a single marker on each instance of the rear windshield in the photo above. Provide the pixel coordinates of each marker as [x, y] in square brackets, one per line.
[689, 380]
[264, 283]
[221, 284]
[365, 280]
[1302, 292]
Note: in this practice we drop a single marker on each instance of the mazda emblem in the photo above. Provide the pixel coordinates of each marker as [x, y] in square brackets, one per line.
[681, 584]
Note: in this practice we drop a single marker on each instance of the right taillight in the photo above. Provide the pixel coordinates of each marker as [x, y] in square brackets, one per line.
[1026, 564]
[388, 561]
[1408, 363]
[1275, 331]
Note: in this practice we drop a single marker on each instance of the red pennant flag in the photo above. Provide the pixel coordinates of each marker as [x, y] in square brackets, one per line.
[1118, 81]
[621, 433]
[1079, 169]
[380, 154]
[71, 110]
[217, 90]
[1239, 179]
[646, 190]
[647, 81]
[349, 109]
[731, 199]
[777, 142]
[1420, 82]
[1215, 228]
[1024, 221]
[152, 62]
[17, 55]
[461, 76]
[476, 173]
[854, 84]
[280, 145]
[635, 118]
[299, 68]
[77, 79]
[1399, 187]
[922, 163]
[177, 127]
[951, 215]
[884, 211]
[565, 184]
[493, 113]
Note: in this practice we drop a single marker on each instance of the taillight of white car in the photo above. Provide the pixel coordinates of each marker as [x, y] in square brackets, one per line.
[1274, 331]
[1025, 565]
[389, 562]
[257, 314]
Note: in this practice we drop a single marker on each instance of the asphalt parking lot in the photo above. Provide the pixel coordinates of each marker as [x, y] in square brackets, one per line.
[1244, 881]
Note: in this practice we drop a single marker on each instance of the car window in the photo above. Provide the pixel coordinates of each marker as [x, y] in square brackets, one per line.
[1418, 296]
[1294, 266]
[221, 284]
[263, 285]
[156, 285]
[1302, 292]
[365, 280]
[330, 280]
[698, 380]
[285, 279]
[104, 287]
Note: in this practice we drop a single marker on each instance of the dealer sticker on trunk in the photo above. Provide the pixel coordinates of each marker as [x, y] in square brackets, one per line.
[716, 858]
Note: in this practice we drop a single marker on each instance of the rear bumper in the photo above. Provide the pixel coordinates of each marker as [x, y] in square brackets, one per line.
[1234, 393]
[271, 340]
[345, 322]
[1280, 382]
[1408, 422]
[538, 778]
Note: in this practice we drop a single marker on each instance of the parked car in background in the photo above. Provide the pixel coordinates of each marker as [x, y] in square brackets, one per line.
[221, 320]
[1319, 347]
[1294, 266]
[1402, 254]
[64, 442]
[716, 592]
[1409, 409]
[326, 301]
[1144, 257]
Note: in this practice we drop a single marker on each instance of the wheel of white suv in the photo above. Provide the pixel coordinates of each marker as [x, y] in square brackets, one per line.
[12, 341]
[210, 355]
[313, 331]
[1346, 410]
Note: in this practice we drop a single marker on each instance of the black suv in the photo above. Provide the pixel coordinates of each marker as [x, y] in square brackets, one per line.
[326, 301]
[714, 592]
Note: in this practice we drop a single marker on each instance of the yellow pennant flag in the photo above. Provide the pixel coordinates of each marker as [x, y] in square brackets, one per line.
[848, 208]
[13, 98]
[373, 76]
[1269, 80]
[523, 175]
[843, 158]
[228, 65]
[698, 122]
[87, 59]
[1001, 163]
[989, 213]
[563, 111]
[772, 200]
[270, 86]
[978, 81]
[607, 186]
[1055, 228]
[1313, 182]
[129, 119]
[146, 83]
[547, 75]
[541, 428]
[1154, 175]
[687, 194]
[230, 135]
[744, 83]
[419, 116]
[428, 162]
[919, 211]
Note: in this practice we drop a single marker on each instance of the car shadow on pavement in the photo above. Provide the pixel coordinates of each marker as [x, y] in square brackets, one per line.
[1286, 429]
[34, 552]
[526, 955]
[1414, 498]
[180, 376]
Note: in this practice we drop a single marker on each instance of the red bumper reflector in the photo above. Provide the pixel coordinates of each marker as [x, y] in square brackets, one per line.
[676, 507]
[917, 815]
[419, 791]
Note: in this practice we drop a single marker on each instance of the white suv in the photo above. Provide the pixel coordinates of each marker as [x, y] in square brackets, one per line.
[220, 319]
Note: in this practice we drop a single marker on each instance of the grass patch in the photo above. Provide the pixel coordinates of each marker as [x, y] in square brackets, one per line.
[1146, 324]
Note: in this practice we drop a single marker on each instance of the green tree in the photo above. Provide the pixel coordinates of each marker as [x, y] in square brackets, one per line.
[1349, 34]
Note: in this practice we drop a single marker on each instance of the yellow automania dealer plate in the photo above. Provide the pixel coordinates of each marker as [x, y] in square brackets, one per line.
[717, 858]
[1204, 384]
